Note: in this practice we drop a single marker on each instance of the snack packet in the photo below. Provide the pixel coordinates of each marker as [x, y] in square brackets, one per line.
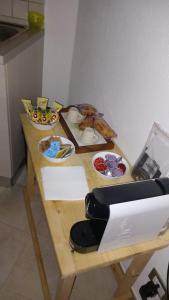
[57, 106]
[27, 105]
[42, 103]
[46, 117]
[54, 116]
[36, 115]
[44, 145]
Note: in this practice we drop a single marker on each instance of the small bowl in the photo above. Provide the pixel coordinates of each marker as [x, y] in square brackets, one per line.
[102, 155]
[58, 160]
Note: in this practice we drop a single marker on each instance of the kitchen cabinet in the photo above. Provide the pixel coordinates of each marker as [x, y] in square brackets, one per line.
[21, 77]
[5, 7]
[36, 7]
[19, 8]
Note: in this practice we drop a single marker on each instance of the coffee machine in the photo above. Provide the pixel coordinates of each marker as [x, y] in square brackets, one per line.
[122, 215]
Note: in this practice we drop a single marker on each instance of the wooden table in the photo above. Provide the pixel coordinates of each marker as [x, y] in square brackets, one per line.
[61, 215]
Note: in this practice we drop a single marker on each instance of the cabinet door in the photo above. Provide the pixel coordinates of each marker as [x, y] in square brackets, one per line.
[37, 1]
[5, 7]
[36, 7]
[20, 9]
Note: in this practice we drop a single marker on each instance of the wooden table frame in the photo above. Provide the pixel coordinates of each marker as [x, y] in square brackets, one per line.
[56, 212]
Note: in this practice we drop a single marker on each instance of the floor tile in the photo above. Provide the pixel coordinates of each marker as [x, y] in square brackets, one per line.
[37, 209]
[6, 295]
[19, 276]
[97, 284]
[12, 244]
[49, 259]
[2, 189]
[12, 209]
[24, 278]
[21, 180]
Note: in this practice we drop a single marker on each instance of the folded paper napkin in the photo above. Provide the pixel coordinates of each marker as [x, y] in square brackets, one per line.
[64, 183]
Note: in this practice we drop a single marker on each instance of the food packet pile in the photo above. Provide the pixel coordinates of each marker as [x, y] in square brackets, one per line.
[42, 113]
[54, 148]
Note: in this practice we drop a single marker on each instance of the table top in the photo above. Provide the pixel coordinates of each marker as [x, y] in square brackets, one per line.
[61, 215]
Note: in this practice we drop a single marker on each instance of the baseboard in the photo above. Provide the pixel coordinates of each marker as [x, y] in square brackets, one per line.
[6, 181]
[18, 172]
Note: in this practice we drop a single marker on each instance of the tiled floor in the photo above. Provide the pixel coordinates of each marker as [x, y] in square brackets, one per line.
[19, 278]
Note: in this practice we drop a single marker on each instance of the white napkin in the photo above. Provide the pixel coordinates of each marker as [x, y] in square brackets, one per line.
[64, 183]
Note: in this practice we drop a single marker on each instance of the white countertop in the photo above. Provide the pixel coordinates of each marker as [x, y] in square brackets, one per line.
[12, 47]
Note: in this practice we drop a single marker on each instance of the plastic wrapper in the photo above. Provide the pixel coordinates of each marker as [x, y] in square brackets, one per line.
[56, 106]
[96, 121]
[54, 148]
[87, 122]
[103, 128]
[46, 117]
[36, 115]
[86, 109]
[54, 116]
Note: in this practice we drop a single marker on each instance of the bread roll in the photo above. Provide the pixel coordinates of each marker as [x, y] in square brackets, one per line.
[104, 129]
[87, 109]
[87, 122]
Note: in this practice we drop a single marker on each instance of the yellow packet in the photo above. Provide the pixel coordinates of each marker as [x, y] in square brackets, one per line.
[54, 116]
[36, 116]
[27, 105]
[42, 103]
[46, 116]
[60, 153]
[57, 106]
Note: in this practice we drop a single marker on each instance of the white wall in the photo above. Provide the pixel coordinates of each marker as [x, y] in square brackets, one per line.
[121, 65]
[60, 27]
[27, 84]
[160, 261]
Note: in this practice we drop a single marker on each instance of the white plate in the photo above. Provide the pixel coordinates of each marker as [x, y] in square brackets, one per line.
[42, 127]
[58, 160]
[102, 154]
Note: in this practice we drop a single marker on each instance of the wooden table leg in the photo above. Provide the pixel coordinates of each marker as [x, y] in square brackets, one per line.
[137, 265]
[30, 184]
[28, 196]
[65, 287]
[37, 250]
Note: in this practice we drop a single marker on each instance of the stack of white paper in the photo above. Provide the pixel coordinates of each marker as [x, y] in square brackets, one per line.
[64, 183]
